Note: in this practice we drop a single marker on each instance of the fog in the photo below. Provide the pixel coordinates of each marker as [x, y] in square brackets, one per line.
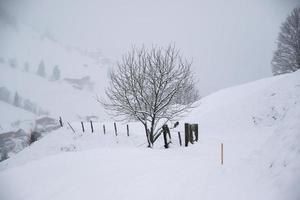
[230, 41]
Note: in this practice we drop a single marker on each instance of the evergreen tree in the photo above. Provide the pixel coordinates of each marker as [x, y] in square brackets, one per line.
[55, 73]
[4, 94]
[17, 100]
[286, 58]
[41, 69]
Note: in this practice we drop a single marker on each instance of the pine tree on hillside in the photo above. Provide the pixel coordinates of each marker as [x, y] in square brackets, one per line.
[17, 100]
[55, 73]
[4, 94]
[286, 58]
[41, 71]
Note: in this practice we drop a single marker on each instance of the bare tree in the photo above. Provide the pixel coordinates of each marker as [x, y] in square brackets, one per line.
[286, 58]
[189, 95]
[145, 86]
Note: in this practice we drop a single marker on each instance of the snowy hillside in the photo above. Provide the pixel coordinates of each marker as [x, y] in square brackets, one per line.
[71, 93]
[258, 123]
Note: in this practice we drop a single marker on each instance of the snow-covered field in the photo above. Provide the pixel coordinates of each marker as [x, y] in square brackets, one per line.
[259, 124]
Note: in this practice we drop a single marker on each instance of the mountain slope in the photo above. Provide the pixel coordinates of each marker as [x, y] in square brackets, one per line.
[83, 74]
[258, 123]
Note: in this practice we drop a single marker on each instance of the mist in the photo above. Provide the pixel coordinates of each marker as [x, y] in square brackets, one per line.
[230, 42]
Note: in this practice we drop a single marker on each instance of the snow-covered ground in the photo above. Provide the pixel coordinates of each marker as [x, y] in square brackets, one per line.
[9, 119]
[259, 124]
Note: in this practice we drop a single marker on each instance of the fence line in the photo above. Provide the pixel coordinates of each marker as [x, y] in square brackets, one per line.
[190, 133]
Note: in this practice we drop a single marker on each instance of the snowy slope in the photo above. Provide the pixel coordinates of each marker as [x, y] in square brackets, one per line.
[23, 45]
[8, 117]
[58, 97]
[258, 123]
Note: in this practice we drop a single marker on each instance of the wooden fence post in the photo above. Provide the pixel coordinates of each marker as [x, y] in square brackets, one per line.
[60, 122]
[196, 132]
[179, 136]
[82, 126]
[71, 127]
[191, 130]
[165, 132]
[186, 134]
[222, 153]
[127, 130]
[116, 131]
[104, 129]
[92, 127]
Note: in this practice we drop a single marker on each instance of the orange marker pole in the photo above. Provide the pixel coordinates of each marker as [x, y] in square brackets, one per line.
[222, 153]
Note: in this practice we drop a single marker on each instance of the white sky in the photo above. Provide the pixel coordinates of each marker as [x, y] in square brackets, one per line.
[230, 41]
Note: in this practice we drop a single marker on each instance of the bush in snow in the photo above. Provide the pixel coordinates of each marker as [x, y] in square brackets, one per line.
[55, 74]
[145, 87]
[286, 58]
[41, 71]
[4, 94]
[34, 136]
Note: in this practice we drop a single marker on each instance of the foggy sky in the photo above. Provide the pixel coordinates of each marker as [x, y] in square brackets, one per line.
[230, 41]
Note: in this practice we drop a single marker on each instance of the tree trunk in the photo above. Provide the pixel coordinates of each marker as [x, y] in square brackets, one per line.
[152, 131]
[148, 136]
[151, 134]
